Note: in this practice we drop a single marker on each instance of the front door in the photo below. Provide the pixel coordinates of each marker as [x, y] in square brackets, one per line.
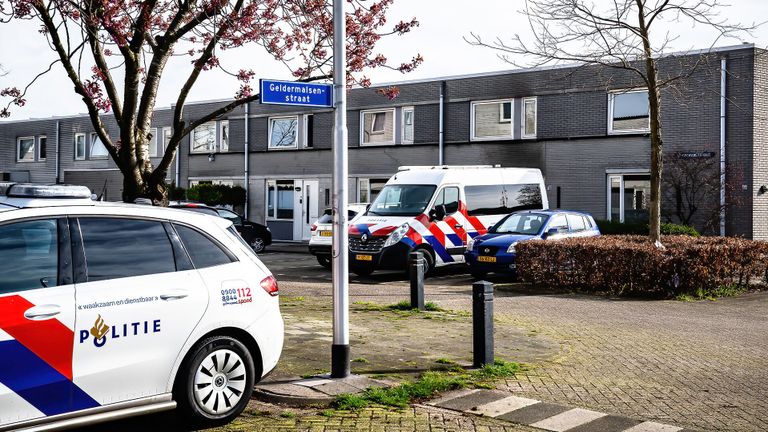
[305, 208]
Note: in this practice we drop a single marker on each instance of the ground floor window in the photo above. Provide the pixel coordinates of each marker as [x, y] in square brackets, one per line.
[368, 189]
[280, 199]
[629, 195]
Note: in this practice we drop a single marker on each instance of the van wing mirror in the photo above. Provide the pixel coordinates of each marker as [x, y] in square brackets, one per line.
[437, 213]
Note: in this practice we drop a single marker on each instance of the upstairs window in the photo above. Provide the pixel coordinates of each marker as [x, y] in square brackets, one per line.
[628, 112]
[203, 138]
[25, 149]
[153, 143]
[283, 133]
[98, 150]
[224, 136]
[528, 121]
[79, 146]
[42, 142]
[492, 120]
[408, 125]
[378, 127]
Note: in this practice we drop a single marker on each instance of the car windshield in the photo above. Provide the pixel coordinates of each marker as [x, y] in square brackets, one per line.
[521, 223]
[402, 200]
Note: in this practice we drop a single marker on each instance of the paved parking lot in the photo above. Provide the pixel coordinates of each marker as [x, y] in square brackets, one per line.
[701, 365]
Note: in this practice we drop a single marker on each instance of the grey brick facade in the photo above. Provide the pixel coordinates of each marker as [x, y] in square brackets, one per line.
[572, 146]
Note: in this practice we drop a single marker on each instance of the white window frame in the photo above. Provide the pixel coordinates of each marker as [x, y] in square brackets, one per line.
[295, 145]
[535, 101]
[39, 147]
[192, 139]
[305, 130]
[94, 137]
[220, 142]
[273, 216]
[611, 97]
[503, 119]
[167, 134]
[472, 106]
[382, 132]
[18, 147]
[620, 174]
[402, 124]
[85, 146]
[157, 141]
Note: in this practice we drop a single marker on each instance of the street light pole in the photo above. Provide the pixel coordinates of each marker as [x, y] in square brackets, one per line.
[340, 348]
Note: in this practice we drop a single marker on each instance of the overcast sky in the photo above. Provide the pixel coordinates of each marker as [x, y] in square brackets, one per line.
[439, 38]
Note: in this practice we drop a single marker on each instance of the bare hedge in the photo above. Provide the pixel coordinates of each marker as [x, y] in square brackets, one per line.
[632, 265]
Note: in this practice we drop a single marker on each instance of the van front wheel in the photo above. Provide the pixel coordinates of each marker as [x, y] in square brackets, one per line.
[429, 262]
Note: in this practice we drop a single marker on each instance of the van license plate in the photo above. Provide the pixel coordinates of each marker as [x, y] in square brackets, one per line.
[364, 257]
[489, 259]
[326, 233]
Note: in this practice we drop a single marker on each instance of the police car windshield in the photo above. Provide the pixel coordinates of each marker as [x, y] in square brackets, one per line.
[402, 200]
[522, 223]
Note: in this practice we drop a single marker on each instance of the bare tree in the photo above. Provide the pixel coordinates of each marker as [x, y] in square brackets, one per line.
[619, 35]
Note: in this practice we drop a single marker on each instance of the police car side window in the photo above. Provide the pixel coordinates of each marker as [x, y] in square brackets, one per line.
[450, 197]
[29, 255]
[203, 251]
[117, 248]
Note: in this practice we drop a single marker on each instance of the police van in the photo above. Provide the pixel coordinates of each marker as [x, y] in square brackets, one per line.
[111, 310]
[436, 210]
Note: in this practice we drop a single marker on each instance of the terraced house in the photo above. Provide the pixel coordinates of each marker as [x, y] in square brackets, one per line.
[586, 128]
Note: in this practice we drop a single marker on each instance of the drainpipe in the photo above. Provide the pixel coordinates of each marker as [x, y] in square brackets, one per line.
[58, 146]
[246, 162]
[441, 136]
[723, 72]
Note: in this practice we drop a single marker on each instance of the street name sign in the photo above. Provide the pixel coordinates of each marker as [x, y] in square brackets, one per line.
[296, 93]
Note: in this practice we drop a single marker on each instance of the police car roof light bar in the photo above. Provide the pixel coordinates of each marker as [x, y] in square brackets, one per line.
[29, 190]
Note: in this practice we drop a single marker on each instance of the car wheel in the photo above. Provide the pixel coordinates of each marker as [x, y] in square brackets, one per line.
[258, 244]
[324, 261]
[216, 383]
[429, 261]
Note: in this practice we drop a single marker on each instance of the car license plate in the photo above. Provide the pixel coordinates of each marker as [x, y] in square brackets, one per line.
[326, 233]
[489, 259]
[364, 257]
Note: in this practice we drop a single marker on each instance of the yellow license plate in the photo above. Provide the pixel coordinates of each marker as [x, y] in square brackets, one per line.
[326, 233]
[364, 257]
[490, 259]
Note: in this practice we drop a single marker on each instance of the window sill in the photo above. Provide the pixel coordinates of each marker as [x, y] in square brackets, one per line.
[378, 144]
[493, 138]
[630, 132]
[282, 148]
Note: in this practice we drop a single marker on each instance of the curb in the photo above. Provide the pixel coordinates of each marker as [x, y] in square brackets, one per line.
[290, 400]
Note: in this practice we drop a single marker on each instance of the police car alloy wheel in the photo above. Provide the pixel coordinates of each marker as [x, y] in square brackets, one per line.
[217, 382]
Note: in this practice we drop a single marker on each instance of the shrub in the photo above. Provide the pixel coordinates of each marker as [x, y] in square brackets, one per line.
[213, 195]
[632, 265]
[641, 228]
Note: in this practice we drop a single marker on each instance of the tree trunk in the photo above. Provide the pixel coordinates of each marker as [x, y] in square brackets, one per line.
[654, 224]
[147, 187]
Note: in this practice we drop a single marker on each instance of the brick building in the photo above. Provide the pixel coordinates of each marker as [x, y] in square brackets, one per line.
[586, 128]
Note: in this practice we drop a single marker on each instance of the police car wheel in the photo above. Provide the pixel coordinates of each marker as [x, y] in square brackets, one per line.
[429, 261]
[217, 382]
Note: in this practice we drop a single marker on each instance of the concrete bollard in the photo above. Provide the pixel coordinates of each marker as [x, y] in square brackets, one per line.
[482, 323]
[416, 265]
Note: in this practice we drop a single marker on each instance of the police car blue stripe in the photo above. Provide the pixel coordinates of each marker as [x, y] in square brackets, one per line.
[409, 242]
[38, 383]
[439, 248]
[455, 239]
[363, 229]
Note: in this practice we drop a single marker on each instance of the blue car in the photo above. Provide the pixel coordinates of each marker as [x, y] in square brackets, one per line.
[495, 251]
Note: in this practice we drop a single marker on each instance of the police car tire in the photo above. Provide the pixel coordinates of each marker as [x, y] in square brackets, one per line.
[429, 261]
[184, 391]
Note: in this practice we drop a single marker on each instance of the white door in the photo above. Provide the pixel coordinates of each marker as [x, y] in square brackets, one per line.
[305, 208]
[141, 301]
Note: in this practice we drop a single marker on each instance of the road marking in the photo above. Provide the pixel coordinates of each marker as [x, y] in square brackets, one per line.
[503, 406]
[653, 427]
[568, 420]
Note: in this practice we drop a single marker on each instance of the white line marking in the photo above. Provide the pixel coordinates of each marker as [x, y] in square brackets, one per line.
[503, 406]
[653, 427]
[568, 420]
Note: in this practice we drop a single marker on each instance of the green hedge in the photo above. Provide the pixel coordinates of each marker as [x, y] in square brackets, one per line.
[213, 195]
[632, 265]
[641, 228]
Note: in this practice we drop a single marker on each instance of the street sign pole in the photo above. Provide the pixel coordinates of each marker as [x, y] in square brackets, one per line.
[340, 348]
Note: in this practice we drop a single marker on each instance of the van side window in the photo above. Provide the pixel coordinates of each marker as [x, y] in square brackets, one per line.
[111, 243]
[485, 200]
[449, 197]
[559, 222]
[203, 251]
[523, 197]
[29, 255]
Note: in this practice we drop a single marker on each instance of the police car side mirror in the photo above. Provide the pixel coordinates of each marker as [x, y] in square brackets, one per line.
[437, 213]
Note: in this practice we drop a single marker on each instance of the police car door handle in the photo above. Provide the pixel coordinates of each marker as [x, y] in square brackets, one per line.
[457, 226]
[42, 312]
[174, 296]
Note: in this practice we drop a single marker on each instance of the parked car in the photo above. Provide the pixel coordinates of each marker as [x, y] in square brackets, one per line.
[495, 251]
[435, 210]
[257, 235]
[320, 239]
[111, 310]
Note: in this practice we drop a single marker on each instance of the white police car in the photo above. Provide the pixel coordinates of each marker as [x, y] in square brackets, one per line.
[110, 310]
